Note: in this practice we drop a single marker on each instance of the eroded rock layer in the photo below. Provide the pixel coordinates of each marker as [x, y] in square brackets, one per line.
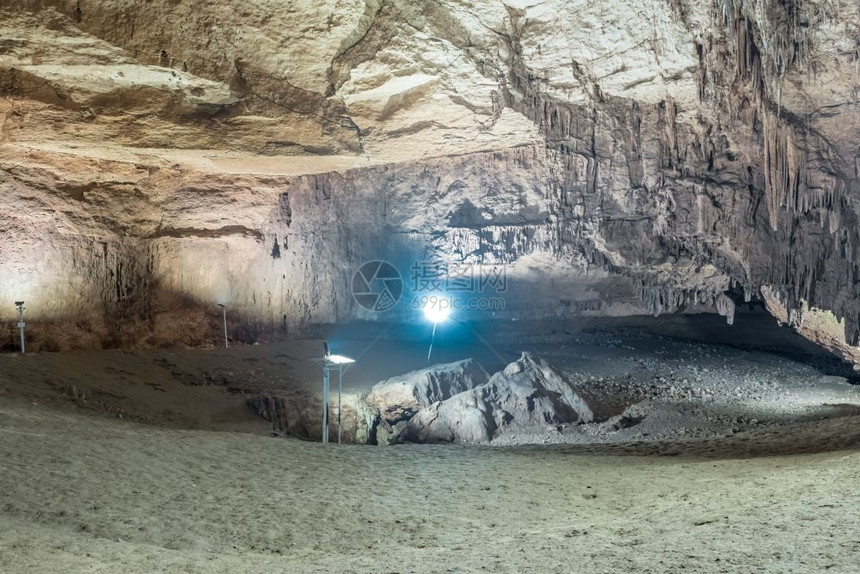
[616, 158]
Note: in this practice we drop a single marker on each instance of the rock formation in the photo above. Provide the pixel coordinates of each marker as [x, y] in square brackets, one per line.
[157, 158]
[527, 394]
[398, 399]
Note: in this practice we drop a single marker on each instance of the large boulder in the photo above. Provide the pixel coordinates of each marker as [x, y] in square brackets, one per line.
[397, 399]
[528, 393]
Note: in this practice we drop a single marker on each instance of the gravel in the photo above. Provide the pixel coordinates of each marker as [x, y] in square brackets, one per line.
[662, 389]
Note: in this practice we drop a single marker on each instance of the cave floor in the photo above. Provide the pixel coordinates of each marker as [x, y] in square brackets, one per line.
[84, 493]
[149, 460]
[669, 389]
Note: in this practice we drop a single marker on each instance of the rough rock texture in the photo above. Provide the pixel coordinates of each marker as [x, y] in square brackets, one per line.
[299, 415]
[527, 394]
[400, 397]
[158, 158]
[817, 325]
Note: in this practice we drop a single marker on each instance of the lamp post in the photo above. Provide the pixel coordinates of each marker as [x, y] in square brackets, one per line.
[332, 363]
[224, 310]
[20, 306]
[437, 310]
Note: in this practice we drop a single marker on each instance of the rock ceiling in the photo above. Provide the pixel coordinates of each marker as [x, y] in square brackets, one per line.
[619, 157]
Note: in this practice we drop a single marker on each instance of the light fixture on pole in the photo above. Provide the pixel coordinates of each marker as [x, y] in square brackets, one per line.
[329, 364]
[224, 310]
[437, 310]
[20, 306]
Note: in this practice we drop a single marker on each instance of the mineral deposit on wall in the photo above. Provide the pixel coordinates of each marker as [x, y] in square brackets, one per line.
[618, 157]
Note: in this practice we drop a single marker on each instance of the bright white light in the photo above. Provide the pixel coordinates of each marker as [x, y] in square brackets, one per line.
[437, 311]
[339, 359]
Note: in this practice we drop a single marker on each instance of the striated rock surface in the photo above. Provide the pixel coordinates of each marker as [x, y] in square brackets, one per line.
[401, 397]
[527, 394]
[157, 158]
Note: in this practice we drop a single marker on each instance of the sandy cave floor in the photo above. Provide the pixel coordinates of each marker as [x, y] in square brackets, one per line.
[143, 461]
[83, 494]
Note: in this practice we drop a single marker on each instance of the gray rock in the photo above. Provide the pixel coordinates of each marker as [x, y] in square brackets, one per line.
[528, 393]
[400, 397]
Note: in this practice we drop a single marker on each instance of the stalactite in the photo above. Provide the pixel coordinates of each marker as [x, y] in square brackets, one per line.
[725, 307]
[785, 166]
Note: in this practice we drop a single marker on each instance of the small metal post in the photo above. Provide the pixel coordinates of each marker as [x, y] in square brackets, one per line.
[330, 363]
[432, 339]
[21, 324]
[339, 393]
[325, 404]
[224, 309]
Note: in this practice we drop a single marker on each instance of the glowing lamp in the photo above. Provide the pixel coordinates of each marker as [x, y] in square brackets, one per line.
[339, 359]
[437, 312]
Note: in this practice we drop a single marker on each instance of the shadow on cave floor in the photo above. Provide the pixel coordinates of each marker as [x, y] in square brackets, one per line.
[768, 376]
